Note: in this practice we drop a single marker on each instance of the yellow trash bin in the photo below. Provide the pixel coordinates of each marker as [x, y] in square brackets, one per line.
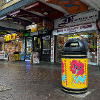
[74, 67]
[16, 55]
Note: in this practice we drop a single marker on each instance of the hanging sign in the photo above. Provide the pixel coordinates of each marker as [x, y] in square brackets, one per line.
[40, 26]
[48, 25]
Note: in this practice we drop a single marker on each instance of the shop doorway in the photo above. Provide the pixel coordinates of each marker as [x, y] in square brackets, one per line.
[45, 48]
[42, 46]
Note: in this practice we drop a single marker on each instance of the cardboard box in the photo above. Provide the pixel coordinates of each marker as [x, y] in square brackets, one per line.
[11, 57]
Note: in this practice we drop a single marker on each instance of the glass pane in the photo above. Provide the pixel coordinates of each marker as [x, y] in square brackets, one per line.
[36, 44]
[46, 44]
[60, 42]
[28, 47]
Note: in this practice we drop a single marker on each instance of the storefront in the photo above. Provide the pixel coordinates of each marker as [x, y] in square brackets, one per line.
[42, 46]
[86, 32]
[90, 40]
[12, 43]
[41, 40]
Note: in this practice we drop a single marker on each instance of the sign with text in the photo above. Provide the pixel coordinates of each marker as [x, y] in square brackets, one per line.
[9, 37]
[76, 19]
[80, 28]
[48, 25]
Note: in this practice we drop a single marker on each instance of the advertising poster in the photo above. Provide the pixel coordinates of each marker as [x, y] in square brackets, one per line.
[35, 57]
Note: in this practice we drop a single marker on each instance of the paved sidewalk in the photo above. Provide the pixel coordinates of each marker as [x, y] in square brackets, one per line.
[42, 82]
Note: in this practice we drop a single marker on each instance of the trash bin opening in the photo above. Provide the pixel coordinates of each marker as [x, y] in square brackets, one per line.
[72, 44]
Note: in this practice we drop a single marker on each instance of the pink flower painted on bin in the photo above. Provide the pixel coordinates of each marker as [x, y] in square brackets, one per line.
[77, 67]
[73, 66]
[62, 68]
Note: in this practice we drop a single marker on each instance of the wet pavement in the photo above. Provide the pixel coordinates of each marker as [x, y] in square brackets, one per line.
[42, 82]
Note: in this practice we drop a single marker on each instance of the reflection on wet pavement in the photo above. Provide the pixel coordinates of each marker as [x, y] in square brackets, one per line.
[38, 82]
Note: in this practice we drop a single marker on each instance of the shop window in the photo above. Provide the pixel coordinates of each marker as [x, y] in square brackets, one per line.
[46, 44]
[90, 41]
[60, 42]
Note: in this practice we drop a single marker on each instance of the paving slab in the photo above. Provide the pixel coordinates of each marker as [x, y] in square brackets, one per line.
[42, 82]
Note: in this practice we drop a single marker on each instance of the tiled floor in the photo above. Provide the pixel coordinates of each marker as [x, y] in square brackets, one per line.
[42, 82]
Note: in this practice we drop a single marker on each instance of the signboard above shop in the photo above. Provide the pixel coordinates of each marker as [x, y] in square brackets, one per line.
[26, 34]
[80, 28]
[33, 28]
[76, 19]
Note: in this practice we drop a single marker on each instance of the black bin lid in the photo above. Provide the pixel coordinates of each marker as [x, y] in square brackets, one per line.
[74, 46]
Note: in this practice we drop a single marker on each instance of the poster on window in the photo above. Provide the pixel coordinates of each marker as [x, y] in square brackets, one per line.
[35, 57]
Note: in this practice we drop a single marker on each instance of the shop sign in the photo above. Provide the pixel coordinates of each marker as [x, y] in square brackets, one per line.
[31, 26]
[76, 19]
[40, 26]
[9, 37]
[26, 34]
[48, 25]
[20, 34]
[75, 29]
[33, 29]
[98, 24]
[45, 31]
[34, 33]
[3, 32]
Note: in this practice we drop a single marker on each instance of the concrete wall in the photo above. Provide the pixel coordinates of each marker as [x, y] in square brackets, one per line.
[1, 2]
[15, 6]
[11, 25]
[2, 6]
